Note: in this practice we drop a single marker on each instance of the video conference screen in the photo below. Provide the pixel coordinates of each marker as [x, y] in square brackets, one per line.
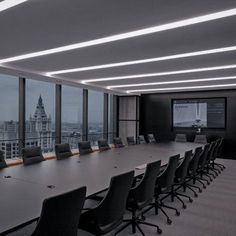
[199, 113]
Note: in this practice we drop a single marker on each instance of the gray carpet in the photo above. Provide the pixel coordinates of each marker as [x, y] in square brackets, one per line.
[213, 213]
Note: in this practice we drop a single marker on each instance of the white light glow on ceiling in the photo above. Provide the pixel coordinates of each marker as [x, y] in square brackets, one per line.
[182, 88]
[6, 4]
[131, 34]
[225, 67]
[172, 82]
[143, 61]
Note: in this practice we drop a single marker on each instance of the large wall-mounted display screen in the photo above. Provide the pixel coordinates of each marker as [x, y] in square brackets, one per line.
[199, 113]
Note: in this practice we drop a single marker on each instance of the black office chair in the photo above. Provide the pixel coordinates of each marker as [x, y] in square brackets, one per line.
[213, 157]
[141, 139]
[192, 172]
[118, 142]
[63, 151]
[140, 197]
[218, 153]
[180, 179]
[201, 166]
[108, 214]
[180, 138]
[103, 145]
[32, 155]
[130, 140]
[151, 138]
[164, 183]
[3, 163]
[209, 167]
[200, 138]
[85, 147]
[60, 214]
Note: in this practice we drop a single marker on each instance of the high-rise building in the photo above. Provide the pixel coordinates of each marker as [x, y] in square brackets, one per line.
[39, 128]
[9, 137]
[38, 133]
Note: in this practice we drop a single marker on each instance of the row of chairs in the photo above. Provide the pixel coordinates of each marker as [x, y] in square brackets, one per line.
[199, 138]
[131, 140]
[135, 195]
[33, 155]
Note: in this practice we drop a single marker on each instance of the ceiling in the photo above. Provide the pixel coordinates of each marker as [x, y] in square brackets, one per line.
[38, 25]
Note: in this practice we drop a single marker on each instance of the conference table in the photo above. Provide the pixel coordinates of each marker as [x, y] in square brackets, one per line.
[23, 188]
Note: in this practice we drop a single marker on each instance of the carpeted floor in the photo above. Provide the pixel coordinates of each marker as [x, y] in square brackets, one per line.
[213, 213]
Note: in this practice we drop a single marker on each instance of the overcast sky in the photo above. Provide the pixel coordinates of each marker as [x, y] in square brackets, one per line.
[71, 100]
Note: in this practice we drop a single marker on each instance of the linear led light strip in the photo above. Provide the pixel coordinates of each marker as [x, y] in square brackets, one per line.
[6, 4]
[225, 67]
[142, 61]
[181, 88]
[131, 34]
[172, 82]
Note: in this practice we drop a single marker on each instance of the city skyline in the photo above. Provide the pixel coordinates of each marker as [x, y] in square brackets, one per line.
[71, 100]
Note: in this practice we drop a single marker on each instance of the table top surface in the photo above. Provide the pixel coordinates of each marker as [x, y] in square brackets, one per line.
[23, 192]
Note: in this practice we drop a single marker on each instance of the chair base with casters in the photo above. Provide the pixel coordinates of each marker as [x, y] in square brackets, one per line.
[174, 194]
[204, 173]
[213, 166]
[159, 205]
[221, 166]
[136, 221]
[214, 172]
[191, 187]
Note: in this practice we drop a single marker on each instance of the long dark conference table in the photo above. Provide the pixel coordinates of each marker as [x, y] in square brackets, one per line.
[23, 188]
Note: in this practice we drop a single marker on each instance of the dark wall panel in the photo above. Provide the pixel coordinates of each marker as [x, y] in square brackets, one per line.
[156, 117]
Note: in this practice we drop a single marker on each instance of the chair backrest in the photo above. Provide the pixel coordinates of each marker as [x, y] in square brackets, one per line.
[203, 156]
[60, 214]
[180, 138]
[63, 151]
[200, 138]
[111, 209]
[118, 142]
[182, 169]
[220, 148]
[195, 160]
[131, 140]
[32, 155]
[166, 179]
[85, 147]
[216, 150]
[143, 193]
[141, 139]
[211, 151]
[151, 138]
[103, 145]
[3, 163]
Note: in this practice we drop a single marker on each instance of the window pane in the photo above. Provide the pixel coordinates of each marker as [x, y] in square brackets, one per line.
[71, 115]
[95, 116]
[40, 115]
[9, 116]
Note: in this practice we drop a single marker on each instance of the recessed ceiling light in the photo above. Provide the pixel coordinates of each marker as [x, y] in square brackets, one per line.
[131, 34]
[142, 61]
[181, 88]
[172, 82]
[225, 67]
[6, 4]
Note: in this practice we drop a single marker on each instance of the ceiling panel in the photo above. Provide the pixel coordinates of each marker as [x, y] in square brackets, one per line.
[41, 24]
